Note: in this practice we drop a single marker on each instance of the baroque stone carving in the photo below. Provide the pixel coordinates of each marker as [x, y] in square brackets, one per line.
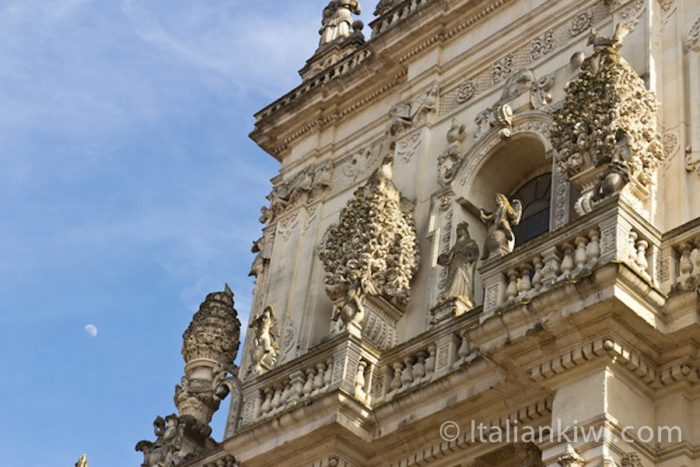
[384, 6]
[631, 459]
[406, 147]
[449, 160]
[466, 91]
[337, 22]
[570, 458]
[542, 45]
[265, 349]
[606, 131]
[414, 111]
[501, 69]
[500, 115]
[304, 186]
[500, 239]
[581, 22]
[693, 41]
[460, 262]
[210, 345]
[372, 250]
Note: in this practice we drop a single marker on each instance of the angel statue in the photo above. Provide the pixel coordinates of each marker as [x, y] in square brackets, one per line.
[500, 239]
[460, 262]
[337, 19]
[265, 348]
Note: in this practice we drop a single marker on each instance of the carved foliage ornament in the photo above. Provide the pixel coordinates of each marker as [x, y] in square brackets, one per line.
[606, 104]
[372, 250]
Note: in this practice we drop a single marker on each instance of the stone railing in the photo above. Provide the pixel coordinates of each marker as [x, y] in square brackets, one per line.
[396, 15]
[680, 266]
[409, 370]
[613, 232]
[341, 363]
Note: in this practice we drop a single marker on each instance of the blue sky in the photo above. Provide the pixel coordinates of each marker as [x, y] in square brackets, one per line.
[128, 190]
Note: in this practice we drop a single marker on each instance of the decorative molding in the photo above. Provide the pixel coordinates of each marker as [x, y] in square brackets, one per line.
[406, 147]
[582, 22]
[542, 45]
[693, 41]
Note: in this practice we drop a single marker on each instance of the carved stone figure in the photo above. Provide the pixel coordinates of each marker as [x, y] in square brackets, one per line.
[414, 111]
[461, 263]
[210, 345]
[448, 161]
[501, 240]
[82, 462]
[337, 20]
[385, 5]
[570, 458]
[265, 347]
[605, 133]
[372, 250]
[262, 259]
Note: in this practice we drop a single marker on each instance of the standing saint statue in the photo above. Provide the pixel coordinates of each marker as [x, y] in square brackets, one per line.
[265, 348]
[460, 262]
[337, 19]
[501, 240]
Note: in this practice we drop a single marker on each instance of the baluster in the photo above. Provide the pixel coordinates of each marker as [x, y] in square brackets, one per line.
[276, 399]
[419, 367]
[320, 371]
[309, 385]
[464, 347]
[632, 248]
[686, 265]
[512, 289]
[430, 360]
[265, 407]
[537, 276]
[524, 284]
[360, 380]
[328, 375]
[593, 248]
[552, 267]
[567, 264]
[298, 385]
[407, 375]
[286, 393]
[642, 262]
[580, 256]
[396, 381]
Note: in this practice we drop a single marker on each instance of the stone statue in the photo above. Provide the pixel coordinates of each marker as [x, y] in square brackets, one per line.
[82, 462]
[265, 348]
[501, 240]
[461, 263]
[209, 348]
[350, 309]
[337, 20]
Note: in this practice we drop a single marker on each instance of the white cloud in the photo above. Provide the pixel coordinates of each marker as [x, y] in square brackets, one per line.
[91, 330]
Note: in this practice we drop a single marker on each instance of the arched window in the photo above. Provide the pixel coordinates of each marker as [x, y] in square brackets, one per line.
[535, 196]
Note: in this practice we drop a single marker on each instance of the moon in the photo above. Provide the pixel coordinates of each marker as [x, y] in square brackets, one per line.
[91, 329]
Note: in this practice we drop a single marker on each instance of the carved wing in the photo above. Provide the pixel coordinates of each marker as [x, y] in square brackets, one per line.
[517, 212]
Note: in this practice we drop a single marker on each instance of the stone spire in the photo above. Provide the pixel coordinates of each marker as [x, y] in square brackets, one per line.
[210, 345]
[372, 250]
[606, 132]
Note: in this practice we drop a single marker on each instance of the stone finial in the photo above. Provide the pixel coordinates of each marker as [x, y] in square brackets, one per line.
[210, 345]
[372, 250]
[337, 22]
[570, 458]
[82, 462]
[605, 133]
[501, 239]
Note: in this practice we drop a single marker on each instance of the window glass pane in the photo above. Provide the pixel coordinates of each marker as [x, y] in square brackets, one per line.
[535, 197]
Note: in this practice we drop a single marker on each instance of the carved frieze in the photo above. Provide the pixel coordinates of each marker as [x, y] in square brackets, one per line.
[605, 133]
[542, 45]
[580, 23]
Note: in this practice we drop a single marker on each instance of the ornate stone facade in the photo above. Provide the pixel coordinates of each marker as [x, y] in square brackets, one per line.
[570, 301]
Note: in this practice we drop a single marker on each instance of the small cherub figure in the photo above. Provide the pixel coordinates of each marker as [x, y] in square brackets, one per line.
[501, 240]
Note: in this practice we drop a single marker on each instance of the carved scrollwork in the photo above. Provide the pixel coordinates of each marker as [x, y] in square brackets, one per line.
[693, 41]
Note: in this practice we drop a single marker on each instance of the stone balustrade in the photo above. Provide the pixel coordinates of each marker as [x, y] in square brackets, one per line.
[680, 266]
[396, 15]
[614, 232]
[410, 369]
[297, 387]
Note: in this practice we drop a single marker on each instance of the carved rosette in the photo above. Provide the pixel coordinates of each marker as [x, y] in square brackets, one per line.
[372, 250]
[608, 115]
